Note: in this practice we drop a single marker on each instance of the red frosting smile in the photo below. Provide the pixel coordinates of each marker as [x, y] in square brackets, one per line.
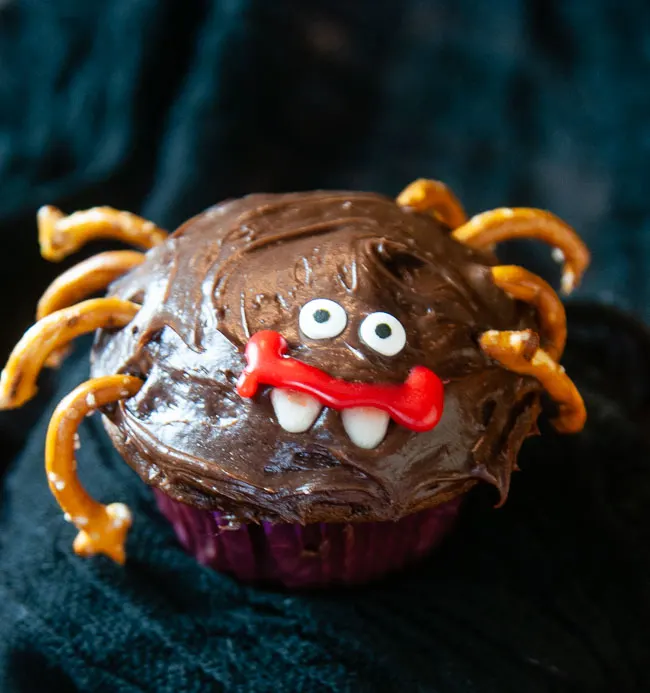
[416, 404]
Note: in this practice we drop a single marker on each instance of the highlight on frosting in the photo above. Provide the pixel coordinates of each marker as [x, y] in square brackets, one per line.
[191, 352]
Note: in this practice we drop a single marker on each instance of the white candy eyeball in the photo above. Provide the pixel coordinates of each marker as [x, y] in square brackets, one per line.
[383, 333]
[322, 319]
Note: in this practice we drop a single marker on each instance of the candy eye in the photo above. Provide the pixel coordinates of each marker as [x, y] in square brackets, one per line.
[383, 333]
[322, 319]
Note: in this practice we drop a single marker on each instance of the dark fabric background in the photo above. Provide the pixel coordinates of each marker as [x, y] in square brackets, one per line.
[164, 107]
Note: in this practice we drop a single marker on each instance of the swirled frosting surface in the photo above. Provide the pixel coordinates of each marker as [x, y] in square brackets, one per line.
[252, 264]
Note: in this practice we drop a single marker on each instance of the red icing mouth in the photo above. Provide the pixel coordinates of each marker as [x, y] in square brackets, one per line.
[416, 404]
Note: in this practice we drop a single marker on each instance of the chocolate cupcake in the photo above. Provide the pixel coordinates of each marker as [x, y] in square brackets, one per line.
[309, 382]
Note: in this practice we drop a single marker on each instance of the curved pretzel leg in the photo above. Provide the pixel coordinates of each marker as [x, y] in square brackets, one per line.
[528, 287]
[102, 528]
[519, 352]
[81, 281]
[60, 235]
[18, 380]
[435, 197]
[487, 229]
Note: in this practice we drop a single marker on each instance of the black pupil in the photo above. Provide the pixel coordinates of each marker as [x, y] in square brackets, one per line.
[321, 315]
[383, 331]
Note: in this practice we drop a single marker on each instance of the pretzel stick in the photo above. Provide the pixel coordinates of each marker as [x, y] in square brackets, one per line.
[81, 281]
[526, 286]
[519, 352]
[18, 379]
[60, 235]
[435, 197]
[102, 528]
[489, 228]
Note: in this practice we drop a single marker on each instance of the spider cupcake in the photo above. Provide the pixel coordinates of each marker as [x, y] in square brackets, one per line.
[310, 382]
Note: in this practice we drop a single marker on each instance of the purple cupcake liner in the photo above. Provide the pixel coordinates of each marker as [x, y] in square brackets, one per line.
[303, 556]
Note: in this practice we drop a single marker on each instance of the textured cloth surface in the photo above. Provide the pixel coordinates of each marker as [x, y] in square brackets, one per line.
[164, 107]
[549, 593]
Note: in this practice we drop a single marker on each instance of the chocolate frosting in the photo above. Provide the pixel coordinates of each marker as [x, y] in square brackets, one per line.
[251, 264]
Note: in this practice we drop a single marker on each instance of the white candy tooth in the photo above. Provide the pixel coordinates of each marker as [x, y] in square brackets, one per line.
[366, 426]
[295, 411]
